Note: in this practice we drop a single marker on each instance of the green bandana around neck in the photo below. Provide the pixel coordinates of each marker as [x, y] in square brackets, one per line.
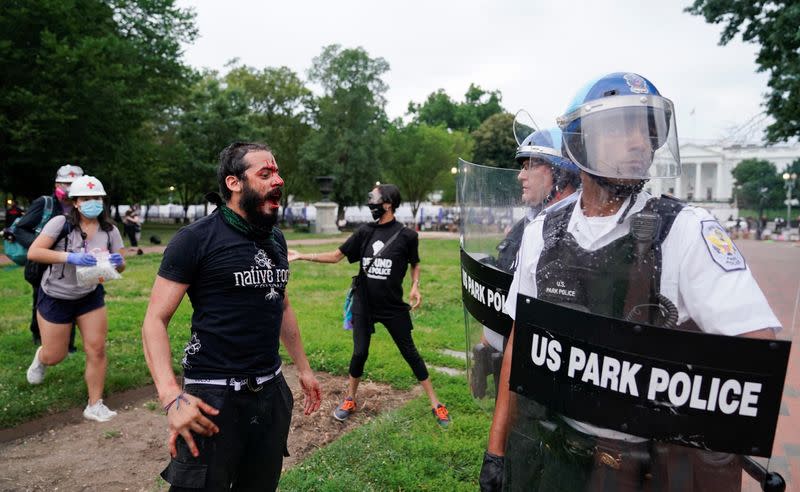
[240, 224]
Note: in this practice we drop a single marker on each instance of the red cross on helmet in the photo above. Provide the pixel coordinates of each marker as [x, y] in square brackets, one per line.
[86, 186]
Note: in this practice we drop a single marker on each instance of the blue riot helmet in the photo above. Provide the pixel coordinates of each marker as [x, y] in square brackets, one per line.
[544, 146]
[620, 127]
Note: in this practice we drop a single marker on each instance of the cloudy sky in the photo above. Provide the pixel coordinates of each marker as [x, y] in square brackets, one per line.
[536, 52]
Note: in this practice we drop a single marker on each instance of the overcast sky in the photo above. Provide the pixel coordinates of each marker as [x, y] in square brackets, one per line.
[537, 53]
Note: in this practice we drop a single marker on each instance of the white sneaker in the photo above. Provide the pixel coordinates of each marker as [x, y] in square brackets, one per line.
[98, 412]
[36, 370]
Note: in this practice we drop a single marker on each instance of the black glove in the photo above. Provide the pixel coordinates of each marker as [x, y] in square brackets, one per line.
[491, 479]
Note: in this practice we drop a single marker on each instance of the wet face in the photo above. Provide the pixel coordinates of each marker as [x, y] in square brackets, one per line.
[623, 148]
[262, 188]
[536, 178]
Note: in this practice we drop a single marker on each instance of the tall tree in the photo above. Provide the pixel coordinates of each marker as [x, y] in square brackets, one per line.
[213, 116]
[754, 175]
[80, 79]
[774, 26]
[349, 119]
[440, 109]
[494, 141]
[418, 158]
[278, 104]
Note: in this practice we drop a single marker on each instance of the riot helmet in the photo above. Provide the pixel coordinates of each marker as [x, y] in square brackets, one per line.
[620, 127]
[543, 147]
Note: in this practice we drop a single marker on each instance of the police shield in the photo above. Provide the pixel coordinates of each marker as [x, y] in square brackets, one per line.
[492, 221]
[647, 353]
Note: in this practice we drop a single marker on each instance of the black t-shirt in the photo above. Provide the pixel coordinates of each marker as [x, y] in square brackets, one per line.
[236, 287]
[383, 274]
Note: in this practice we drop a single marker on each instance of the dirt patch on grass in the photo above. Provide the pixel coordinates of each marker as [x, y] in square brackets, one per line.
[64, 452]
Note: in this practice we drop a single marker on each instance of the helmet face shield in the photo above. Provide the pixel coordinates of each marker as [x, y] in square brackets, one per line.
[626, 137]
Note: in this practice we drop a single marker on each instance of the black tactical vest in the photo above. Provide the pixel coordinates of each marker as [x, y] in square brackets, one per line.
[620, 280]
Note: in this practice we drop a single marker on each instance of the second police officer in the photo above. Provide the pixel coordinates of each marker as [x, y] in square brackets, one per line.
[593, 255]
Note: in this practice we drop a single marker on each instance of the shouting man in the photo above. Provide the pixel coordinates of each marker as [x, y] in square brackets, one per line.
[230, 420]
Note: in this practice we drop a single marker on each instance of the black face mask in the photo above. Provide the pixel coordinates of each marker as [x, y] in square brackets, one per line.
[377, 210]
[250, 203]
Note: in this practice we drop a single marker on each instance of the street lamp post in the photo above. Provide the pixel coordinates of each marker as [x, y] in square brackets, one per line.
[790, 180]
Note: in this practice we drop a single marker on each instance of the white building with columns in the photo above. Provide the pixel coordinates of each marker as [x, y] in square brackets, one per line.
[706, 178]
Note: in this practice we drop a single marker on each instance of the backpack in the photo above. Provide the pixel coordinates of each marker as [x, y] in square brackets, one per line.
[13, 249]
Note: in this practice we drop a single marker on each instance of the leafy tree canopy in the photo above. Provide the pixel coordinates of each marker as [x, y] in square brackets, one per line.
[349, 120]
[757, 179]
[494, 141]
[774, 26]
[418, 158]
[440, 109]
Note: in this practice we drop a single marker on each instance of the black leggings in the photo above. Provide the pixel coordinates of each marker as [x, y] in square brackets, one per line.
[399, 327]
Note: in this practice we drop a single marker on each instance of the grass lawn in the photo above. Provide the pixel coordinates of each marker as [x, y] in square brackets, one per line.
[404, 449]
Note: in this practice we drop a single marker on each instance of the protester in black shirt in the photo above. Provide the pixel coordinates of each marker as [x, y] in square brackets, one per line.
[234, 410]
[385, 249]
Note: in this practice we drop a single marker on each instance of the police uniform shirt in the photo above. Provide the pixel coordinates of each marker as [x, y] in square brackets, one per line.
[719, 293]
[721, 301]
[236, 287]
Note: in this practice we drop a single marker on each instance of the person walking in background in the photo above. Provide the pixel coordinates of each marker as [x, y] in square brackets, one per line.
[133, 227]
[384, 249]
[230, 421]
[27, 229]
[67, 242]
[13, 212]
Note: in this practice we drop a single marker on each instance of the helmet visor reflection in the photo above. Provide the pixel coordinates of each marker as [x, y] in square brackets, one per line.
[621, 140]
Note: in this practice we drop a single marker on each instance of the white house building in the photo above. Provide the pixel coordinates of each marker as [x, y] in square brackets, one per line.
[706, 177]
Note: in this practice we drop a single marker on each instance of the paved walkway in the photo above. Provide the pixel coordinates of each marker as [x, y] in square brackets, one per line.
[776, 267]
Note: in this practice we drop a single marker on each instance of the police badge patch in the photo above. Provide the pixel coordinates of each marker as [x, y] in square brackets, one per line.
[720, 247]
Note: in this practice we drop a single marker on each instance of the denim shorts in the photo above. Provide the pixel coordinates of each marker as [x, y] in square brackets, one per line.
[63, 311]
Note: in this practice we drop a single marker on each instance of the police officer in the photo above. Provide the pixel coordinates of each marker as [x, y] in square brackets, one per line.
[621, 132]
[547, 179]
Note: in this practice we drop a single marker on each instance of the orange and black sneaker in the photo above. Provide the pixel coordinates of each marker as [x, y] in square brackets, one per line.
[347, 408]
[442, 417]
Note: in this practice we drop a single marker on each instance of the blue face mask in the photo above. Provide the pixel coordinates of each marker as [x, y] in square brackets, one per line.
[92, 208]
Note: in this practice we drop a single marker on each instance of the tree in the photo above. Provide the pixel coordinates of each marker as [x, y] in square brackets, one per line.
[211, 118]
[349, 119]
[80, 79]
[772, 25]
[440, 109]
[753, 176]
[494, 141]
[278, 104]
[418, 158]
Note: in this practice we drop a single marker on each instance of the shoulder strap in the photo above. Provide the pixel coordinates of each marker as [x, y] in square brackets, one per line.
[391, 239]
[555, 223]
[47, 213]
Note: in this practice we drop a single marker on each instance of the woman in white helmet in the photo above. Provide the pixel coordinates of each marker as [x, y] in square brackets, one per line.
[66, 242]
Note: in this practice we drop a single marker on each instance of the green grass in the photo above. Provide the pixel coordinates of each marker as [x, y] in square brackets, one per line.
[402, 450]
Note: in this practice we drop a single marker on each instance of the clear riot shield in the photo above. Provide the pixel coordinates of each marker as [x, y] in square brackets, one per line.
[634, 365]
[492, 220]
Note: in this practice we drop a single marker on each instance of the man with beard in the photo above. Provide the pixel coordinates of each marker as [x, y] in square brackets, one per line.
[619, 252]
[229, 422]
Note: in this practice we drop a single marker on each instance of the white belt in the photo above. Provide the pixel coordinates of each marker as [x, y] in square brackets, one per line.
[236, 383]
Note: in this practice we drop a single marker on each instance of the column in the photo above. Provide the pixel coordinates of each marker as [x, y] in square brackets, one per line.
[698, 191]
[718, 190]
